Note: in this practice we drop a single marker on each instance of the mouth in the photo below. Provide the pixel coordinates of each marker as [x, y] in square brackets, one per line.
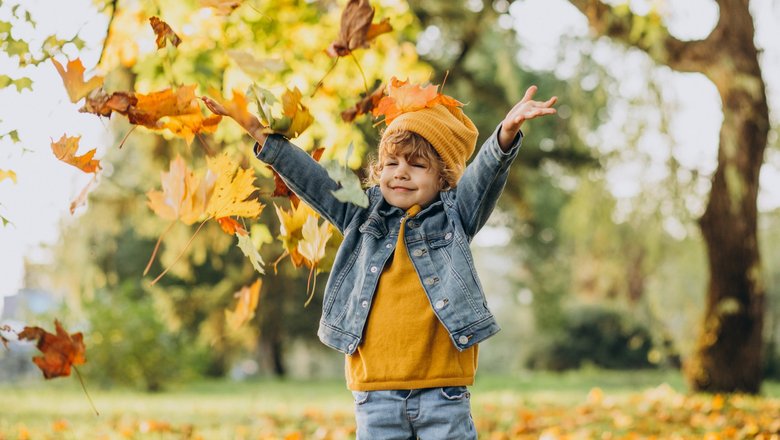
[401, 189]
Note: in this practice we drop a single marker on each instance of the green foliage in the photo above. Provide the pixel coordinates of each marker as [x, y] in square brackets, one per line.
[594, 335]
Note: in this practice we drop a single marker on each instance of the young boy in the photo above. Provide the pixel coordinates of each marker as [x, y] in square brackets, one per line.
[403, 300]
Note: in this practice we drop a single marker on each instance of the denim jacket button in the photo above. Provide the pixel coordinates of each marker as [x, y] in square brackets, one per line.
[417, 252]
[351, 346]
[448, 235]
[439, 304]
[373, 269]
[389, 245]
[364, 304]
[429, 281]
[463, 340]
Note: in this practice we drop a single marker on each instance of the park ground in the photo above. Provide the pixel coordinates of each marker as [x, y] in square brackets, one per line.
[588, 404]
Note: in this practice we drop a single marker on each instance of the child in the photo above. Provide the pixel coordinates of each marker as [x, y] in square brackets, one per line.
[403, 300]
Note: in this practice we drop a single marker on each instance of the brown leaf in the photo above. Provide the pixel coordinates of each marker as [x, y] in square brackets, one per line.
[222, 7]
[101, 103]
[365, 105]
[163, 32]
[60, 351]
[65, 150]
[73, 78]
[356, 28]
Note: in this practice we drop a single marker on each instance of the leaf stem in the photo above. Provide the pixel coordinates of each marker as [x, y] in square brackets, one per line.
[360, 68]
[157, 246]
[322, 80]
[84, 387]
[127, 135]
[313, 284]
[178, 257]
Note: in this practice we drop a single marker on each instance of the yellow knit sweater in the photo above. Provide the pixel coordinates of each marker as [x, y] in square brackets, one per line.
[404, 345]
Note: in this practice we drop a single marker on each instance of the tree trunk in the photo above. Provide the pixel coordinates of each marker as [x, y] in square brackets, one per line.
[728, 354]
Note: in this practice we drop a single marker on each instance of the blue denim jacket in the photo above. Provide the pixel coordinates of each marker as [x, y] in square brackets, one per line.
[437, 239]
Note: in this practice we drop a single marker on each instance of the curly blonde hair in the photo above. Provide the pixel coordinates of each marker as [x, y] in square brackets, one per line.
[411, 146]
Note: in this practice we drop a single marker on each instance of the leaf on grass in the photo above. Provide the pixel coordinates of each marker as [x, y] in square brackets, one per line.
[232, 187]
[222, 7]
[73, 78]
[8, 174]
[356, 28]
[351, 190]
[248, 248]
[164, 33]
[253, 66]
[60, 351]
[183, 196]
[403, 97]
[365, 105]
[248, 298]
[65, 150]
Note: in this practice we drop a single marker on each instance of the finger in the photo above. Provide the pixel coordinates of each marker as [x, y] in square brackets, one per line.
[529, 93]
[550, 102]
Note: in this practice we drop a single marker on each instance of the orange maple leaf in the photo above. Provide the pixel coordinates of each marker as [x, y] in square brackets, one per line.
[60, 351]
[356, 28]
[163, 32]
[232, 187]
[231, 226]
[403, 97]
[248, 298]
[73, 78]
[65, 150]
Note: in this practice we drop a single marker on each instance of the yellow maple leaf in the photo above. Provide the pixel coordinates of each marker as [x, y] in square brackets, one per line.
[8, 174]
[65, 150]
[232, 187]
[291, 226]
[73, 78]
[183, 194]
[248, 298]
[300, 118]
[312, 245]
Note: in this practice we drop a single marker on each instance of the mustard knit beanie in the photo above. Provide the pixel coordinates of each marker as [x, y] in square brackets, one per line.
[447, 128]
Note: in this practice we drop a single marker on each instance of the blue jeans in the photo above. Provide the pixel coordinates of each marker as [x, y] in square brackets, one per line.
[427, 414]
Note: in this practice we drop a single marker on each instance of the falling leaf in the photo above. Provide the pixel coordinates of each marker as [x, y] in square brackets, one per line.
[232, 187]
[350, 190]
[248, 248]
[65, 150]
[312, 245]
[73, 78]
[236, 109]
[231, 226]
[255, 67]
[101, 103]
[222, 7]
[81, 199]
[183, 196]
[291, 226]
[295, 116]
[403, 97]
[356, 28]
[164, 33]
[7, 174]
[365, 105]
[60, 351]
[248, 298]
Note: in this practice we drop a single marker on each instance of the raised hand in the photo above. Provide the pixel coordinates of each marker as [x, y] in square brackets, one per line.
[249, 122]
[526, 109]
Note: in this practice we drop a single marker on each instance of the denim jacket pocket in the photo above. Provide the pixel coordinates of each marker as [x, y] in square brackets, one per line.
[373, 226]
[441, 240]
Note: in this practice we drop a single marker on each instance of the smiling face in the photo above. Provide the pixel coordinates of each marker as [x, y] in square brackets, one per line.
[408, 181]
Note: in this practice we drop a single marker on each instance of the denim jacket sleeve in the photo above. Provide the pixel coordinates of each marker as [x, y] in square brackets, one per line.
[307, 179]
[483, 181]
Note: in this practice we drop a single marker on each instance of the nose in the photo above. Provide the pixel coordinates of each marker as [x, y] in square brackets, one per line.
[401, 171]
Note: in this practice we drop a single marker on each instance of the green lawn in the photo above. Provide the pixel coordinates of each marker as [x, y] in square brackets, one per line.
[572, 405]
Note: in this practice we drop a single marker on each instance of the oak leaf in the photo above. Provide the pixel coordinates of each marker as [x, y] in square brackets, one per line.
[356, 28]
[65, 150]
[73, 78]
[164, 33]
[248, 298]
[60, 351]
[232, 187]
[403, 97]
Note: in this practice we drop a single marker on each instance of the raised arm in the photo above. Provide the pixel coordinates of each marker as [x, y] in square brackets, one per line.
[485, 177]
[302, 174]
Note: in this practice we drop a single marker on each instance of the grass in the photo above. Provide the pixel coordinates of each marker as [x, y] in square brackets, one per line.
[290, 409]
